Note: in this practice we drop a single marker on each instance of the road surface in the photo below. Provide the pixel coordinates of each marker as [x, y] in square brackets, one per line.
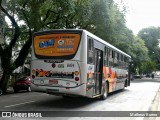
[139, 96]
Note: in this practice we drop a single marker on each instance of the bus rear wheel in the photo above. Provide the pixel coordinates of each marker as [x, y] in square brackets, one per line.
[104, 92]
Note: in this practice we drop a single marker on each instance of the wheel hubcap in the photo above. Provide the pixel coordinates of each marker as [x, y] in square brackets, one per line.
[105, 92]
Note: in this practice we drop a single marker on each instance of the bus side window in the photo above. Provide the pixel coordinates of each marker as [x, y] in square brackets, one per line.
[118, 65]
[90, 51]
[126, 62]
[115, 59]
[113, 56]
[110, 57]
[122, 61]
[106, 56]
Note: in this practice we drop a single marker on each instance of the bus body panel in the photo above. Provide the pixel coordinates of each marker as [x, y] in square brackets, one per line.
[43, 70]
[115, 77]
[62, 75]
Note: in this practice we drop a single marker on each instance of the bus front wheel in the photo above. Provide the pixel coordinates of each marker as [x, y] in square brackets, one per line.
[104, 92]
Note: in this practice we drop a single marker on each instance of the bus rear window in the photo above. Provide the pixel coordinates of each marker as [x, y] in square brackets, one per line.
[56, 45]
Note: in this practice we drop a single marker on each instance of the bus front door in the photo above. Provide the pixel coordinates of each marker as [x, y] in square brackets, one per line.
[98, 71]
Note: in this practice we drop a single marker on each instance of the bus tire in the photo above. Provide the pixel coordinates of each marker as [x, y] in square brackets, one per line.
[66, 97]
[104, 92]
[1, 92]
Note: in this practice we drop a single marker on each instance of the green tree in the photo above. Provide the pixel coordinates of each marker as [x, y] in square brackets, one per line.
[148, 67]
[139, 53]
[151, 35]
[37, 15]
[6, 52]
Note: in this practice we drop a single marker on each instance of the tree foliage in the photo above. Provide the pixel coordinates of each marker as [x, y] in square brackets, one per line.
[151, 37]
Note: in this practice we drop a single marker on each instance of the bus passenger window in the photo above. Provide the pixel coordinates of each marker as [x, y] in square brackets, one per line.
[106, 56]
[126, 62]
[122, 61]
[118, 65]
[110, 53]
[90, 51]
[110, 58]
[115, 59]
[90, 44]
[113, 53]
[117, 56]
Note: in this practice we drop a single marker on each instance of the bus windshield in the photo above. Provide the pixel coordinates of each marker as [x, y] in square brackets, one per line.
[56, 45]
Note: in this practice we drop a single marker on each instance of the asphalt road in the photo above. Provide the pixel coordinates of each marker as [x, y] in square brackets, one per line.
[138, 97]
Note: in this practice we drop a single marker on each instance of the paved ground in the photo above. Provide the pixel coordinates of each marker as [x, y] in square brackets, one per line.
[142, 95]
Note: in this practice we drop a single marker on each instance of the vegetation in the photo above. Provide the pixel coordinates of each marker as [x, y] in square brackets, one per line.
[151, 37]
[101, 17]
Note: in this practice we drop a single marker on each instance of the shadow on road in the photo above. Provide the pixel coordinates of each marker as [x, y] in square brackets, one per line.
[117, 92]
[66, 103]
[71, 102]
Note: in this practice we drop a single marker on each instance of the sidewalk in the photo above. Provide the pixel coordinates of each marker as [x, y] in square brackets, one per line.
[158, 102]
[155, 105]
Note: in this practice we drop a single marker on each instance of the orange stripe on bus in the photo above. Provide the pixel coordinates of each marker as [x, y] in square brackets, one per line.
[105, 72]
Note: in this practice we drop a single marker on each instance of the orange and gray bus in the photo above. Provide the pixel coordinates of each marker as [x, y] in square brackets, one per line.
[75, 62]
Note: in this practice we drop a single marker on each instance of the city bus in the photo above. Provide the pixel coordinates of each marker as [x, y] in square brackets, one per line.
[75, 62]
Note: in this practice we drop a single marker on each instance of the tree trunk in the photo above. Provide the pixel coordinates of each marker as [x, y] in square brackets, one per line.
[4, 81]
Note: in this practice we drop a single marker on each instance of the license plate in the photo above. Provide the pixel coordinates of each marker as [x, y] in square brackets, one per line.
[53, 82]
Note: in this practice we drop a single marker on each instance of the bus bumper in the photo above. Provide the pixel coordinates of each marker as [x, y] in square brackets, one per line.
[74, 91]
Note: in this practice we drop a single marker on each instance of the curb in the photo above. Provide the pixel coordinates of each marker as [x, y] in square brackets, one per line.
[155, 106]
[158, 97]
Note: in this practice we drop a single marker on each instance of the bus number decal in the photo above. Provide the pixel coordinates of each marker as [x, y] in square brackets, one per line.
[61, 66]
[70, 65]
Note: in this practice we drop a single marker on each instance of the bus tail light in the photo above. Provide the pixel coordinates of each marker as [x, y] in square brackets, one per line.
[87, 89]
[76, 78]
[53, 65]
[33, 76]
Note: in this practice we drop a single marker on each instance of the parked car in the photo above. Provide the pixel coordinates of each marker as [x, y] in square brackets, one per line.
[137, 76]
[148, 75]
[132, 77]
[22, 84]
